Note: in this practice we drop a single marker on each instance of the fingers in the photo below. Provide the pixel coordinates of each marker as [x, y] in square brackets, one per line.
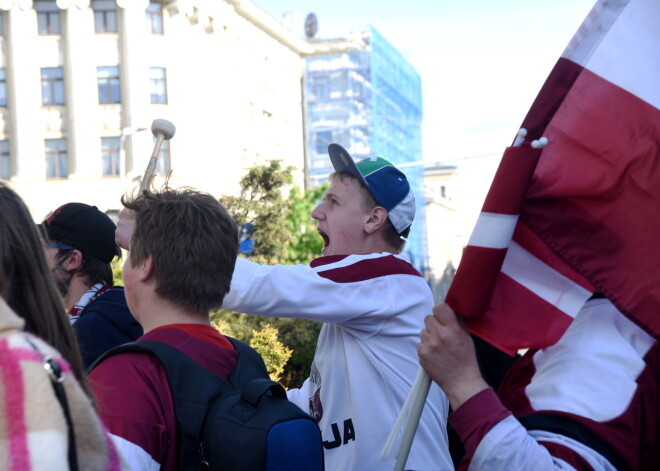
[446, 352]
[443, 334]
[445, 315]
[124, 229]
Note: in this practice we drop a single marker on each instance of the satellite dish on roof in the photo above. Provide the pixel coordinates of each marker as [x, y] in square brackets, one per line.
[311, 25]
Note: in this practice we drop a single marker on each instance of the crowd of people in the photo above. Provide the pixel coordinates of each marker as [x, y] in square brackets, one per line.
[589, 402]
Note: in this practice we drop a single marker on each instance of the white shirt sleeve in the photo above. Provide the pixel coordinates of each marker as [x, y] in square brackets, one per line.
[508, 445]
[298, 291]
[135, 457]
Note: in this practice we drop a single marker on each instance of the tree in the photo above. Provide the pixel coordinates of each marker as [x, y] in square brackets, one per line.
[274, 353]
[306, 243]
[275, 230]
[261, 211]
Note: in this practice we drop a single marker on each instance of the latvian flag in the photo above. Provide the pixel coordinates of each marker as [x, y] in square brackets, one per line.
[586, 216]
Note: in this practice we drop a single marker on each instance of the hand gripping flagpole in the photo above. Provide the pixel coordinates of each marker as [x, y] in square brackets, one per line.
[501, 209]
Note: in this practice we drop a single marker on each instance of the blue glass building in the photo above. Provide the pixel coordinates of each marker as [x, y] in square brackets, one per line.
[370, 102]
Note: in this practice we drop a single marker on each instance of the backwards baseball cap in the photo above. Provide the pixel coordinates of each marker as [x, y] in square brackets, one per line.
[386, 183]
[84, 227]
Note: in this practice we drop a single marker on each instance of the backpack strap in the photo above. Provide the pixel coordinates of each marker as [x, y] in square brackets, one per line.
[249, 365]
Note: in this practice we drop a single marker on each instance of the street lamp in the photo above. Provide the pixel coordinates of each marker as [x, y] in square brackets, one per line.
[125, 132]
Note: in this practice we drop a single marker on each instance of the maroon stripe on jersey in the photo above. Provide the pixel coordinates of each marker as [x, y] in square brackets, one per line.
[568, 455]
[318, 262]
[481, 413]
[369, 269]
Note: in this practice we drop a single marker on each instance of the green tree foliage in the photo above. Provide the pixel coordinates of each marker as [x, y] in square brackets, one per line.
[262, 206]
[282, 233]
[265, 342]
[307, 243]
[117, 268]
[274, 352]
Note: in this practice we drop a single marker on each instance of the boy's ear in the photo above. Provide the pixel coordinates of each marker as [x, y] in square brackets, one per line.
[377, 218]
[147, 269]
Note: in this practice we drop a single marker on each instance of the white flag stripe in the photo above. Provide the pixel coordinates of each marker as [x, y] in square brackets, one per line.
[600, 19]
[493, 231]
[544, 281]
[632, 43]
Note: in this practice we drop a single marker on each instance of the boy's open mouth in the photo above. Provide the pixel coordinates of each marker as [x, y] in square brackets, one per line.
[326, 239]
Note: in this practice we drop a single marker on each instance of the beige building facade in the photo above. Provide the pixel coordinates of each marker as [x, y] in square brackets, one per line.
[446, 238]
[83, 80]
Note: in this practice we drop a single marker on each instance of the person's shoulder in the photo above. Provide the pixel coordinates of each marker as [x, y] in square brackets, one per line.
[366, 268]
[115, 294]
[110, 301]
[125, 369]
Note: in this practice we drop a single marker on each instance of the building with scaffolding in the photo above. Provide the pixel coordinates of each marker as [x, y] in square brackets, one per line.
[369, 101]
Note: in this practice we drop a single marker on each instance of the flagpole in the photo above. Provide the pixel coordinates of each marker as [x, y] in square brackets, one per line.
[416, 406]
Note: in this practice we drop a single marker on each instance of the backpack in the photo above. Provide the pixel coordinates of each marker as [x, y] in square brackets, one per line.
[244, 422]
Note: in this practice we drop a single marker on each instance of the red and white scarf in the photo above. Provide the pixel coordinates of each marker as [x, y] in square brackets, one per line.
[91, 294]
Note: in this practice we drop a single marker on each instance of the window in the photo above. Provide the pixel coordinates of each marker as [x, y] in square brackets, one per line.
[320, 88]
[48, 17]
[110, 156]
[57, 165]
[164, 164]
[158, 85]
[52, 86]
[105, 16]
[108, 82]
[3, 88]
[155, 18]
[5, 160]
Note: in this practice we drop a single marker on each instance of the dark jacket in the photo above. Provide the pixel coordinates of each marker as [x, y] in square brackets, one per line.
[105, 323]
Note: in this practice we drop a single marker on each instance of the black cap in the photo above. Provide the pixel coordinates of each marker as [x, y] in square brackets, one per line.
[84, 227]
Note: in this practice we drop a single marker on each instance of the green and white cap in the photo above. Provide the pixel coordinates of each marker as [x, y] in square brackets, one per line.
[386, 183]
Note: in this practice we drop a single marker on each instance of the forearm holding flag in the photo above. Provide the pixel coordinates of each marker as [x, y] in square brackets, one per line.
[582, 404]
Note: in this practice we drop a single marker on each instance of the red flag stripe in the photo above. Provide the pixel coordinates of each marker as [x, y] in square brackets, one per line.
[493, 230]
[556, 87]
[517, 165]
[523, 320]
[471, 290]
